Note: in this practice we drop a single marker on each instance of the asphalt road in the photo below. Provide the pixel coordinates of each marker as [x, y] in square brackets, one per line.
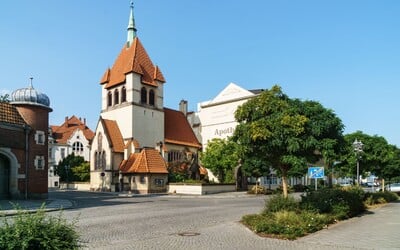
[107, 221]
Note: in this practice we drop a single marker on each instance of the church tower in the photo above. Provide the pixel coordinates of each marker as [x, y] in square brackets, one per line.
[133, 92]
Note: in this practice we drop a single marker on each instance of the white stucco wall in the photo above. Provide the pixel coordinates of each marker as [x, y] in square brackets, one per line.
[217, 116]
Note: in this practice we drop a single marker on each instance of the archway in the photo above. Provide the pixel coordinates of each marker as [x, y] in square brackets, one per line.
[4, 177]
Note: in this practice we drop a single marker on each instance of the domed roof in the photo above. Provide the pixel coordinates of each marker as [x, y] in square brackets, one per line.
[30, 95]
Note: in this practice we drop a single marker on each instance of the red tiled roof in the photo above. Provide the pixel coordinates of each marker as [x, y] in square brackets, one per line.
[62, 133]
[147, 161]
[132, 141]
[9, 114]
[114, 135]
[132, 59]
[177, 129]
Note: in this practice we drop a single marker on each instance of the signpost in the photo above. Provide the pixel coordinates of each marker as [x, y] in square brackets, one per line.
[316, 173]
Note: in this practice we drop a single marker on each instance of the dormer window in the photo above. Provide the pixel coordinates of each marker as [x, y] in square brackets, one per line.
[143, 95]
[151, 97]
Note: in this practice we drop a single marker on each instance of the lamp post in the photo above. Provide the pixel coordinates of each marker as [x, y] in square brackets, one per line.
[358, 149]
[67, 168]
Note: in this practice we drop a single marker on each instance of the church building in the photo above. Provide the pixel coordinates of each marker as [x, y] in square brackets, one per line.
[24, 123]
[137, 138]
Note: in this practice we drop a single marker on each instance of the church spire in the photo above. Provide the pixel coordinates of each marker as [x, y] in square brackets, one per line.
[131, 27]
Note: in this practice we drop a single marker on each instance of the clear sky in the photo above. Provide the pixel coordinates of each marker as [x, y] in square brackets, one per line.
[343, 53]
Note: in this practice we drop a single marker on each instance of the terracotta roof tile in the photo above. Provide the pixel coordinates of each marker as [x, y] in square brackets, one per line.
[132, 141]
[132, 59]
[9, 114]
[147, 161]
[62, 133]
[178, 130]
[114, 135]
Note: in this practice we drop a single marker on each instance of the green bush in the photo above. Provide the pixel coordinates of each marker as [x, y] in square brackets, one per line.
[279, 203]
[37, 231]
[339, 203]
[380, 198]
[286, 224]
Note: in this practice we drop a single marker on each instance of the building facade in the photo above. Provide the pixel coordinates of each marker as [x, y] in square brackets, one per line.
[24, 123]
[71, 137]
[134, 125]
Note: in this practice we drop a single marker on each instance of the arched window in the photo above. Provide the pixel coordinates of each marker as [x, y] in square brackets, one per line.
[77, 147]
[151, 97]
[123, 94]
[143, 95]
[103, 160]
[116, 96]
[109, 99]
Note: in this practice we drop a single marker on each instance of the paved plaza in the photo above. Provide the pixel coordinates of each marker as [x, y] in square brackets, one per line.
[109, 221]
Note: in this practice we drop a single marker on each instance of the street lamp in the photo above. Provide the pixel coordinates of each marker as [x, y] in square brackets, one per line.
[358, 149]
[67, 168]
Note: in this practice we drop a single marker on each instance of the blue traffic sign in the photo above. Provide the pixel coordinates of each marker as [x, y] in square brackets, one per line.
[316, 172]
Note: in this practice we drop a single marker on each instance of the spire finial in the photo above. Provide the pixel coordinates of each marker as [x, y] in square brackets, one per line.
[31, 83]
[131, 27]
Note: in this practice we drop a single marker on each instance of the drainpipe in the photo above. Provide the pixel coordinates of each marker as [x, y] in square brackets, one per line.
[26, 129]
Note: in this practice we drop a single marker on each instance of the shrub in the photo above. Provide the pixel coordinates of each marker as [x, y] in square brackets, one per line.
[37, 231]
[286, 224]
[380, 198]
[279, 203]
[300, 188]
[339, 203]
[260, 190]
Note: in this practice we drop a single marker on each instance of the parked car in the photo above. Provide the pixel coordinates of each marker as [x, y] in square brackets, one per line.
[394, 187]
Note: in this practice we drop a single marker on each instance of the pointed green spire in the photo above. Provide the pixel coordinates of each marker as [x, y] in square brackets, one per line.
[131, 27]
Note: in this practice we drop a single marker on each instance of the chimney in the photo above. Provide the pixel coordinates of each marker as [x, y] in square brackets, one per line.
[183, 107]
[84, 121]
[66, 119]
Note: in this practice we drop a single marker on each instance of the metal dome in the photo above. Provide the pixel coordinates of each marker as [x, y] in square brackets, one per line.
[30, 96]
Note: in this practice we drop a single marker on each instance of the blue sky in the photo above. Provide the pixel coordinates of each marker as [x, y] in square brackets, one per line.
[344, 54]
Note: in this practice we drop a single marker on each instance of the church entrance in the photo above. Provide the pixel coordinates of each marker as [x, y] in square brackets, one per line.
[4, 177]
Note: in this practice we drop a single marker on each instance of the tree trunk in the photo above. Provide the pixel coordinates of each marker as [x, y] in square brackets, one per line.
[284, 186]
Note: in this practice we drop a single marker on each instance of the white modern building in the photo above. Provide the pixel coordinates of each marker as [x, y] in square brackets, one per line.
[216, 119]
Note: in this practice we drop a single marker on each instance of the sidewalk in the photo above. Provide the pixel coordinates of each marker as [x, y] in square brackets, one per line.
[10, 207]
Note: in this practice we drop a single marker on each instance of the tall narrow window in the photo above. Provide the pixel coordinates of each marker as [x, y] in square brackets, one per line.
[151, 97]
[62, 153]
[116, 97]
[123, 94]
[77, 147]
[143, 95]
[109, 99]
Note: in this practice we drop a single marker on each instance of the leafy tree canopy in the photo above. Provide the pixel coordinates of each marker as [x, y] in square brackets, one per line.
[73, 168]
[221, 158]
[377, 157]
[284, 134]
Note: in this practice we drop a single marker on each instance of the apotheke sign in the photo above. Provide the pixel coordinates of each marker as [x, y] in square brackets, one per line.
[225, 131]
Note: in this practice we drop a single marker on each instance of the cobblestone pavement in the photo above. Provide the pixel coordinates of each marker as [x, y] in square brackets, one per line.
[109, 221]
[184, 222]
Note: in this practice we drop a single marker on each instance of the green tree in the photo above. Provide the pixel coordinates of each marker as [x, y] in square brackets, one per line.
[221, 158]
[82, 172]
[378, 157]
[67, 167]
[284, 134]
